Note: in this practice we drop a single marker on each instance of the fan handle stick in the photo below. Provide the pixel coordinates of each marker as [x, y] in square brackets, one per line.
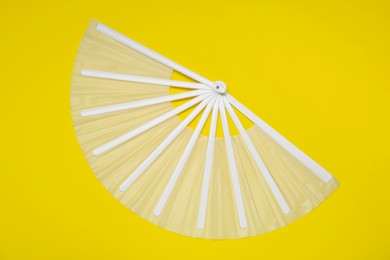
[161, 148]
[207, 168]
[141, 103]
[259, 161]
[141, 79]
[158, 57]
[298, 154]
[127, 136]
[233, 168]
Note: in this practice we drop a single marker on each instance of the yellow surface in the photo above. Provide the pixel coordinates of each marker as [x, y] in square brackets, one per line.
[316, 72]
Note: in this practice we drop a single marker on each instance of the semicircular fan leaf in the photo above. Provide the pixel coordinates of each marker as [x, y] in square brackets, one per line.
[174, 176]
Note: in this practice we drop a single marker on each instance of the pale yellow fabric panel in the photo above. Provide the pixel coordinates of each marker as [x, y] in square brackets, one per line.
[302, 189]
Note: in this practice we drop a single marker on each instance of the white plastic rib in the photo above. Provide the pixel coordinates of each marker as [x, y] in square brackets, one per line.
[260, 163]
[154, 155]
[125, 137]
[207, 168]
[298, 154]
[156, 56]
[141, 103]
[233, 167]
[141, 79]
[183, 160]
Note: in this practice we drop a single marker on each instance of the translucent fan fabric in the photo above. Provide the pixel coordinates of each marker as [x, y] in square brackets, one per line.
[302, 189]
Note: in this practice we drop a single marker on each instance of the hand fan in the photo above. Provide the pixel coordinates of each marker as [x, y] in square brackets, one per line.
[176, 177]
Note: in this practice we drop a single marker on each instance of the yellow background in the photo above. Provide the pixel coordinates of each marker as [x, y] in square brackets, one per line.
[317, 71]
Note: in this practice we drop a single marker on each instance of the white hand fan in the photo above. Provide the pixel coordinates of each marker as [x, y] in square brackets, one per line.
[171, 175]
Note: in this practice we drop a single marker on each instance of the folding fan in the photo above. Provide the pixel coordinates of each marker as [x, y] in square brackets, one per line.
[176, 177]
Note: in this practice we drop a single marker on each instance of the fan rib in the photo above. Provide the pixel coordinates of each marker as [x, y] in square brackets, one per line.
[154, 55]
[154, 155]
[317, 169]
[141, 79]
[127, 136]
[183, 160]
[259, 161]
[141, 103]
[207, 167]
[233, 167]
